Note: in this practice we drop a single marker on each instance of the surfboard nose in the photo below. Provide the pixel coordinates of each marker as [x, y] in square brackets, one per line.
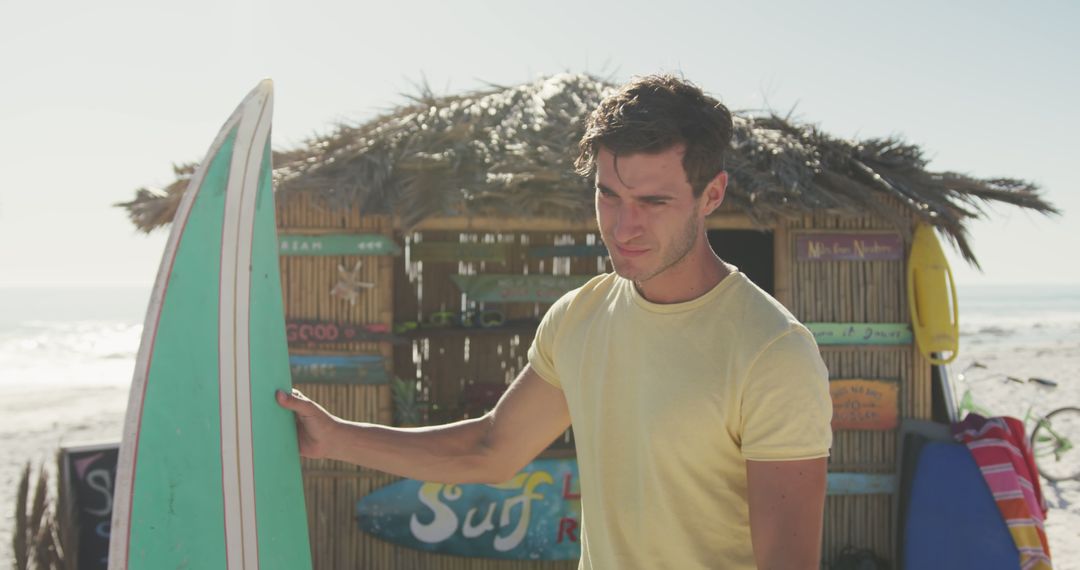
[262, 94]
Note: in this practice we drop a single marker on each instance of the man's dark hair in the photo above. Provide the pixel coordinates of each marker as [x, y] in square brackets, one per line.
[654, 113]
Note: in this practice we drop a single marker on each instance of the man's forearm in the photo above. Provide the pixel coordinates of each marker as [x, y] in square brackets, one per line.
[451, 453]
[489, 449]
[787, 502]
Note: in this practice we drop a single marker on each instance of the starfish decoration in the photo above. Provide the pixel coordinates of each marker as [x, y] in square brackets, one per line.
[350, 285]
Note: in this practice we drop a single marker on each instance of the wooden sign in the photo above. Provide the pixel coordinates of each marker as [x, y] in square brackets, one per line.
[848, 246]
[451, 252]
[315, 333]
[865, 404]
[495, 288]
[543, 251]
[337, 244]
[326, 369]
[534, 516]
[860, 484]
[861, 333]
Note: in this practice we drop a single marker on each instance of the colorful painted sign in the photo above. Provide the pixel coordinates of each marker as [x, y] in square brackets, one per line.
[454, 252]
[496, 288]
[865, 404]
[534, 516]
[861, 333]
[848, 246]
[315, 333]
[337, 244]
[324, 369]
[860, 484]
[595, 250]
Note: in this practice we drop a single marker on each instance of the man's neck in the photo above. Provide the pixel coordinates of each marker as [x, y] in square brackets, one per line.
[693, 276]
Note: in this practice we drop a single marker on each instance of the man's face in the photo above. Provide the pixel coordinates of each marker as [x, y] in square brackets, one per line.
[648, 216]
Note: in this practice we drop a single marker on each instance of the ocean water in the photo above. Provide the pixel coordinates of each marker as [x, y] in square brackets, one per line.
[1013, 315]
[78, 337]
[85, 337]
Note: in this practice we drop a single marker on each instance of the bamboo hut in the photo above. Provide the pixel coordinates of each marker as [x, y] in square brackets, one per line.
[426, 244]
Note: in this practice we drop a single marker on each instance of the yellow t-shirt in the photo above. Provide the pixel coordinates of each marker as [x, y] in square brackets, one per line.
[668, 402]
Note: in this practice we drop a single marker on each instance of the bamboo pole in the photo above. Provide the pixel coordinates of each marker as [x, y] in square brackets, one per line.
[782, 265]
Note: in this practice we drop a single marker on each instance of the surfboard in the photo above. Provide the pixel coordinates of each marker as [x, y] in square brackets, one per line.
[950, 518]
[209, 471]
[935, 316]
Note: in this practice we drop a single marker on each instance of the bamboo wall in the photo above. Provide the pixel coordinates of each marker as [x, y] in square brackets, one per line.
[859, 291]
[306, 283]
[331, 488]
[445, 361]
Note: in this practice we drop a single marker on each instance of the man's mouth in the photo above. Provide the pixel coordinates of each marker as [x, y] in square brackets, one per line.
[630, 251]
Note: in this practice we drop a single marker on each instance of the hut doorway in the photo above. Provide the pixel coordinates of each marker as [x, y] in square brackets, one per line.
[749, 250]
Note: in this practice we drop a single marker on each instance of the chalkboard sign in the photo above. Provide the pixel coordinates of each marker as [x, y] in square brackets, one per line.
[89, 473]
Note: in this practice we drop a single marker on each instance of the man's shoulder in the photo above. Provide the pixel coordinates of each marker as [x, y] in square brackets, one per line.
[759, 317]
[594, 290]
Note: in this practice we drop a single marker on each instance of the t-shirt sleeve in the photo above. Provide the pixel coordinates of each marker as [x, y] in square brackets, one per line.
[786, 408]
[542, 349]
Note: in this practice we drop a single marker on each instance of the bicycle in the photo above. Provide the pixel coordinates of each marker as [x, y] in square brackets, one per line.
[1054, 437]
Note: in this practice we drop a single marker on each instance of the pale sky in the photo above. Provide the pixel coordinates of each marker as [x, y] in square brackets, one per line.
[99, 98]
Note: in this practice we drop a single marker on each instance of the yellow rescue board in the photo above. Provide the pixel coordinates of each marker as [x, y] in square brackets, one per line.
[932, 299]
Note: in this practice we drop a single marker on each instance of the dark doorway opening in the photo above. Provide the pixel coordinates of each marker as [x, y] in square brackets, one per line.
[749, 250]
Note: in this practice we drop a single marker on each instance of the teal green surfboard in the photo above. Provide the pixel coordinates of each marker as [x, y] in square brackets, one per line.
[209, 473]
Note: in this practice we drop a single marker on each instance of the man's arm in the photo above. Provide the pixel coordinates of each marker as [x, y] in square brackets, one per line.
[488, 449]
[787, 503]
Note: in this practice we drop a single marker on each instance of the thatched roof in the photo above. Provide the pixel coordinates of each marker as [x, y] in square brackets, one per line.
[508, 151]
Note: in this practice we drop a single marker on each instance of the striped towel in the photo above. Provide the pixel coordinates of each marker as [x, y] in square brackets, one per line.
[1004, 456]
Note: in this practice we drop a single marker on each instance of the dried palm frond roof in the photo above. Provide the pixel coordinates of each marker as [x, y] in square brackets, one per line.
[508, 152]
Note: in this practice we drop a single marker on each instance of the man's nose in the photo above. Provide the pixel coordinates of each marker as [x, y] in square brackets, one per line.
[628, 223]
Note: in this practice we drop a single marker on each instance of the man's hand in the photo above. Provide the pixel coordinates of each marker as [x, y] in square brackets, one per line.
[316, 428]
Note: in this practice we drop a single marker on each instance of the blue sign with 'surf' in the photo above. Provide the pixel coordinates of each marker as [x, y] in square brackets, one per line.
[534, 516]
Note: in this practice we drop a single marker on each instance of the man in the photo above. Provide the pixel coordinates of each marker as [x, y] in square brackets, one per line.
[700, 406]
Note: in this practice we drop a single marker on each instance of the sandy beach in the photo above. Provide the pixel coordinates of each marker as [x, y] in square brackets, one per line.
[1008, 398]
[53, 410]
[34, 424]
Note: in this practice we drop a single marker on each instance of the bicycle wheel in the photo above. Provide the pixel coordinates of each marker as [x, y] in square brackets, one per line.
[1055, 442]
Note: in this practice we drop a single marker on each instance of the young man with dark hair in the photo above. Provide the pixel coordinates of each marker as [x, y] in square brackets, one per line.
[700, 406]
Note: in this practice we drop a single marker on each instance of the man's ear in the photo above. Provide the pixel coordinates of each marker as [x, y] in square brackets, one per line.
[714, 192]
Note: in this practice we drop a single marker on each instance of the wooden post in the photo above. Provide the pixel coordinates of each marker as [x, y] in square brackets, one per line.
[386, 284]
[782, 261]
